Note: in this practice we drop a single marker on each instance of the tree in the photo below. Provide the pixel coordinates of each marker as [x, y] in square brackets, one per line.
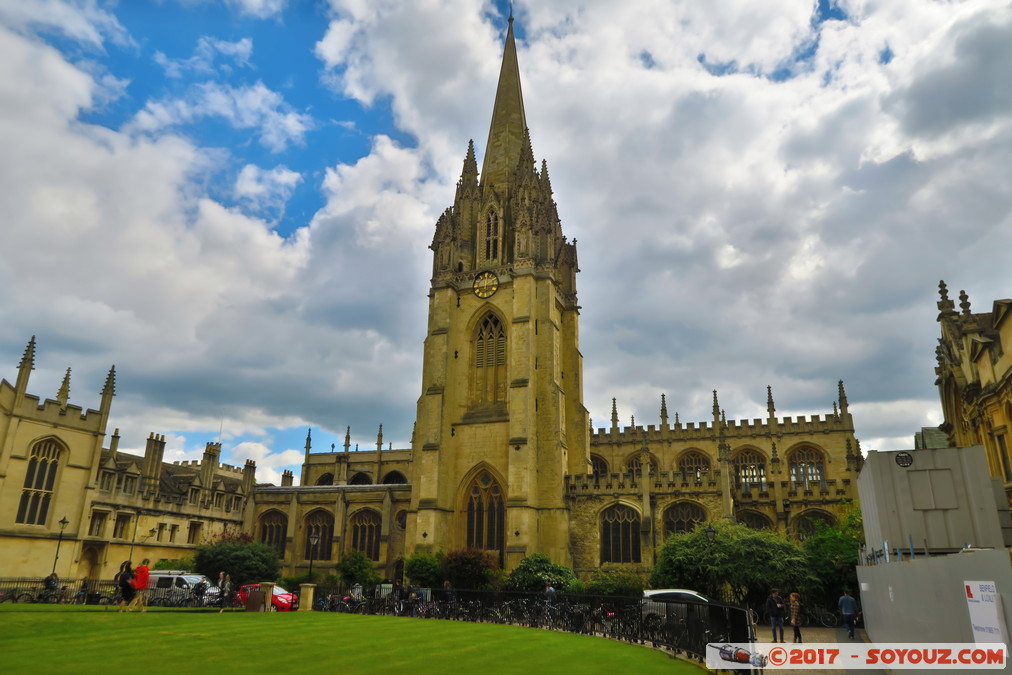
[423, 569]
[469, 568]
[247, 562]
[537, 571]
[832, 554]
[739, 564]
[356, 567]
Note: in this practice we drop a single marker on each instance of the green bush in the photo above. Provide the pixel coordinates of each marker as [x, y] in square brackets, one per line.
[622, 582]
[469, 568]
[423, 569]
[356, 567]
[537, 571]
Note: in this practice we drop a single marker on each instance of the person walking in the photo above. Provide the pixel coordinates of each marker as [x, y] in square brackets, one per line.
[124, 581]
[225, 590]
[775, 609]
[796, 611]
[848, 609]
[140, 584]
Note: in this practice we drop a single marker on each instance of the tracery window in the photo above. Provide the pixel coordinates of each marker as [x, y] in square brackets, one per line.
[360, 478]
[694, 466]
[682, 517]
[635, 464]
[620, 535]
[754, 520]
[321, 524]
[37, 492]
[492, 236]
[365, 533]
[274, 531]
[749, 470]
[486, 515]
[490, 361]
[598, 466]
[394, 478]
[806, 467]
[810, 522]
[325, 479]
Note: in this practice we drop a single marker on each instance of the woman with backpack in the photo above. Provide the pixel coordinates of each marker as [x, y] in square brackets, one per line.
[124, 581]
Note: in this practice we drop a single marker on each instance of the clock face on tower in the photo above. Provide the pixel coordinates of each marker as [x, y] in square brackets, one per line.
[486, 284]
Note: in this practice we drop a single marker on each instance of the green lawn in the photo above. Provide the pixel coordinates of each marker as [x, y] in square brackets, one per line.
[65, 639]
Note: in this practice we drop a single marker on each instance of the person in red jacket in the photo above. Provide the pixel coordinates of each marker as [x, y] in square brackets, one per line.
[140, 583]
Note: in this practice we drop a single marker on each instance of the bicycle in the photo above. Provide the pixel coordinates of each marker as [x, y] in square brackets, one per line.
[825, 617]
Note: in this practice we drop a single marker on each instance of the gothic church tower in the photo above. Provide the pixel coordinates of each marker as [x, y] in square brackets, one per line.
[500, 419]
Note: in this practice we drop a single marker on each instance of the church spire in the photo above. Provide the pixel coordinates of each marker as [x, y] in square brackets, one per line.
[509, 123]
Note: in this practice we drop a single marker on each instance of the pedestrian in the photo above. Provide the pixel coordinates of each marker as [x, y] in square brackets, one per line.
[224, 590]
[140, 584]
[775, 609]
[796, 610]
[848, 609]
[448, 592]
[124, 581]
[549, 595]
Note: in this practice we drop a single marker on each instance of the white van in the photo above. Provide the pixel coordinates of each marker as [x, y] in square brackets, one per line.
[178, 588]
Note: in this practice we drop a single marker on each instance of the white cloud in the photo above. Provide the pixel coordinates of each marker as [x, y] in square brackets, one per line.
[265, 192]
[244, 107]
[260, 9]
[83, 20]
[204, 60]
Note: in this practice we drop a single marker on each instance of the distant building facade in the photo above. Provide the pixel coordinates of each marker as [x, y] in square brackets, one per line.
[974, 379]
[54, 467]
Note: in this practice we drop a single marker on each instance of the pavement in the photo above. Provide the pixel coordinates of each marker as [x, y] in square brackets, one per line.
[811, 634]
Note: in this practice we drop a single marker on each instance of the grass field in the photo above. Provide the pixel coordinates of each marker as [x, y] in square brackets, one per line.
[67, 639]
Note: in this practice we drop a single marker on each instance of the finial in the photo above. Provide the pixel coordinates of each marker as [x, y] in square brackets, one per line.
[63, 395]
[664, 411]
[769, 401]
[110, 383]
[943, 290]
[309, 439]
[843, 398]
[347, 439]
[28, 358]
[676, 418]
[379, 439]
[633, 422]
[964, 303]
[716, 407]
[614, 413]
[836, 412]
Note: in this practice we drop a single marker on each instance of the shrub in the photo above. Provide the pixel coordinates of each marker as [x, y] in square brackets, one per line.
[469, 568]
[246, 562]
[423, 569]
[537, 571]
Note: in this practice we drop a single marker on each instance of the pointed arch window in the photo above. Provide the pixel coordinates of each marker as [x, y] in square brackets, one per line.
[321, 524]
[598, 466]
[492, 236]
[274, 531]
[40, 481]
[806, 467]
[486, 515]
[750, 471]
[694, 466]
[360, 478]
[620, 535]
[635, 465]
[754, 520]
[325, 479]
[490, 361]
[394, 478]
[682, 517]
[365, 533]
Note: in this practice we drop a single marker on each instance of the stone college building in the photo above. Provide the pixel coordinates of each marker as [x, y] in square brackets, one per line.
[502, 457]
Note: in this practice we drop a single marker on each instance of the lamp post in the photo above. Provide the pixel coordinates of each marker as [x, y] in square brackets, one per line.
[710, 532]
[63, 525]
[314, 539]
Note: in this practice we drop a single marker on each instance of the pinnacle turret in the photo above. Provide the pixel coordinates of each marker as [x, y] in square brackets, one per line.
[63, 395]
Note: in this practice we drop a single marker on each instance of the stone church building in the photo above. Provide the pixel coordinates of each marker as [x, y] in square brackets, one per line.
[503, 456]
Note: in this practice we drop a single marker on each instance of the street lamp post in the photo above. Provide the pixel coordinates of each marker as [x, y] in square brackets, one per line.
[314, 539]
[63, 525]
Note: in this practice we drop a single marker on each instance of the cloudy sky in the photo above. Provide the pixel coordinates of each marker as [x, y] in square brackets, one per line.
[232, 200]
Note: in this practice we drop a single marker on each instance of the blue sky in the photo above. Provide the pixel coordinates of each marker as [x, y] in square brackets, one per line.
[231, 201]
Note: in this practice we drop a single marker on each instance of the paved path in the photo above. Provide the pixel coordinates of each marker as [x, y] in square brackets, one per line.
[811, 634]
